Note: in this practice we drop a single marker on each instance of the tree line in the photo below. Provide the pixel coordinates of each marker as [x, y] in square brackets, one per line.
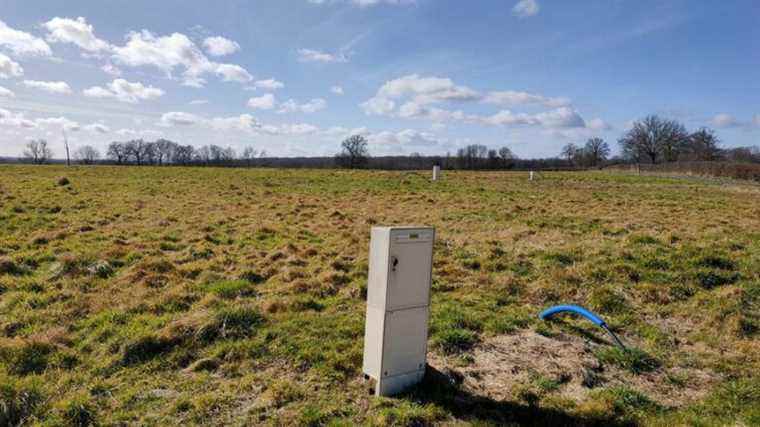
[656, 140]
[651, 140]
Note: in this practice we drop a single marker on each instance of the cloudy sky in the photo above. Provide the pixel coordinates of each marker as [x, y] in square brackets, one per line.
[294, 77]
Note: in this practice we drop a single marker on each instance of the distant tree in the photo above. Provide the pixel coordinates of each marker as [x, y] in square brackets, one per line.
[570, 152]
[507, 157]
[164, 150]
[138, 150]
[653, 139]
[472, 156]
[37, 151]
[704, 145]
[203, 155]
[183, 155]
[118, 152]
[87, 155]
[150, 153]
[249, 153]
[354, 153]
[596, 151]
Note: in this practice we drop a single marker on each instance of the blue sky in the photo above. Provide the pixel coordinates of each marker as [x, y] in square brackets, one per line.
[295, 77]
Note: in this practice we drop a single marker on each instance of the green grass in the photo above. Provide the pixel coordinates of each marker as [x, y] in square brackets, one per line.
[155, 296]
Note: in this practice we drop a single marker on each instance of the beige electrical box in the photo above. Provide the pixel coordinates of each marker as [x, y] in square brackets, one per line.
[398, 307]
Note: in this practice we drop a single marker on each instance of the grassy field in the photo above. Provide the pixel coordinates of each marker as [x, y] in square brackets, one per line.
[160, 296]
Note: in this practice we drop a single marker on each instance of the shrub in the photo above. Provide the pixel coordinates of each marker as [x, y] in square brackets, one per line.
[63, 181]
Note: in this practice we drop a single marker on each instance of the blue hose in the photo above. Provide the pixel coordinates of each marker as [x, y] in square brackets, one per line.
[549, 312]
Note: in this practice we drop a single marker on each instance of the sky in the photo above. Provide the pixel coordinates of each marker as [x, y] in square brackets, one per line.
[295, 77]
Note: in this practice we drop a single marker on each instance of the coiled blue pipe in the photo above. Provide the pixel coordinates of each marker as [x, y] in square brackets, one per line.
[551, 311]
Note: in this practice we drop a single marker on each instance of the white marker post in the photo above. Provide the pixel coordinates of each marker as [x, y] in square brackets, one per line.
[398, 307]
[531, 175]
[436, 172]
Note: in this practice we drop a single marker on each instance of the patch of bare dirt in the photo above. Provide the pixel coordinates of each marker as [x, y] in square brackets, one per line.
[502, 366]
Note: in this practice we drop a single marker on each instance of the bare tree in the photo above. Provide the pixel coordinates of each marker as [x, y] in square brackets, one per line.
[704, 145]
[248, 155]
[37, 151]
[138, 150]
[507, 157]
[596, 151]
[118, 152]
[87, 155]
[653, 139]
[164, 150]
[183, 154]
[570, 152]
[354, 153]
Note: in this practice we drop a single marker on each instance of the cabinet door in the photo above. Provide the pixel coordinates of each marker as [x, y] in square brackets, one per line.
[409, 270]
[405, 343]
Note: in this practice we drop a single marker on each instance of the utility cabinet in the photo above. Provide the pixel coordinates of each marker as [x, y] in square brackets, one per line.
[398, 307]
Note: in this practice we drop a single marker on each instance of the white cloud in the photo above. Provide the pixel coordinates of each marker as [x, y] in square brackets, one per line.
[526, 8]
[563, 117]
[291, 106]
[378, 106]
[426, 90]
[337, 90]
[174, 118]
[21, 43]
[125, 91]
[6, 93]
[724, 121]
[243, 122]
[407, 137]
[52, 87]
[76, 31]
[16, 120]
[62, 122]
[220, 46]
[175, 51]
[598, 124]
[111, 69]
[512, 98]
[264, 102]
[269, 84]
[9, 68]
[97, 128]
[199, 102]
[312, 55]
[233, 73]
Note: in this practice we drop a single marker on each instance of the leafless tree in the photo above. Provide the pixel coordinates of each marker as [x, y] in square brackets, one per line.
[354, 153]
[704, 145]
[596, 151]
[87, 154]
[118, 152]
[654, 138]
[472, 156]
[37, 151]
[507, 157]
[138, 150]
[570, 152]
[248, 155]
[164, 150]
[183, 154]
